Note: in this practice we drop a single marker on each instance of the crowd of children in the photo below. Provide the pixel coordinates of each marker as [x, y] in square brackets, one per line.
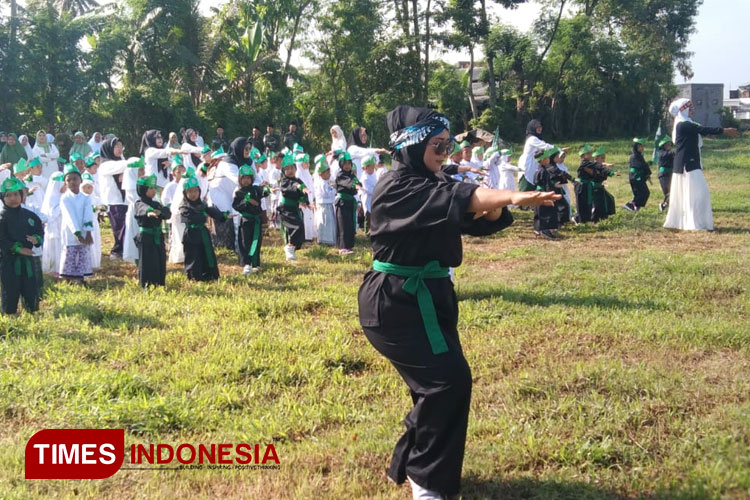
[176, 202]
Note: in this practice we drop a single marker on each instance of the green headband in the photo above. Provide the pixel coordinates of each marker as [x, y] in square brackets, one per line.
[58, 177]
[21, 166]
[370, 160]
[665, 140]
[585, 149]
[302, 158]
[298, 148]
[601, 151]
[35, 162]
[148, 181]
[75, 157]
[70, 169]
[189, 171]
[87, 177]
[246, 170]
[642, 142]
[190, 182]
[139, 163]
[321, 163]
[287, 161]
[205, 149]
[506, 152]
[345, 156]
[12, 184]
[549, 153]
[218, 153]
[465, 144]
[479, 150]
[456, 148]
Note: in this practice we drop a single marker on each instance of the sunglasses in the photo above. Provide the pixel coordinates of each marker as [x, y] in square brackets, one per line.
[443, 147]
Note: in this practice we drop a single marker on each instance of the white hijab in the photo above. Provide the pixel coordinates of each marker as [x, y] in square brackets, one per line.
[95, 146]
[27, 147]
[339, 143]
[681, 116]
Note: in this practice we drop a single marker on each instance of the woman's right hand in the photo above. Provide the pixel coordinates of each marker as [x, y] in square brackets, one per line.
[533, 198]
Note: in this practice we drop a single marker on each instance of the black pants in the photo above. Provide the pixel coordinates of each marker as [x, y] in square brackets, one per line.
[546, 218]
[117, 221]
[640, 192]
[431, 450]
[666, 183]
[15, 286]
[245, 242]
[345, 220]
[152, 261]
[197, 265]
[584, 203]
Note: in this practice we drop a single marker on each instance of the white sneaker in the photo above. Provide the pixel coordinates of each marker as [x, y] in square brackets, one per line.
[247, 270]
[419, 493]
[289, 252]
[256, 269]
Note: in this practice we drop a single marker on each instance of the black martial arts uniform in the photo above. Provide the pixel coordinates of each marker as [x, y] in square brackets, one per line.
[290, 215]
[250, 236]
[346, 209]
[604, 202]
[417, 220]
[546, 218]
[666, 162]
[17, 274]
[584, 190]
[152, 255]
[200, 259]
[639, 175]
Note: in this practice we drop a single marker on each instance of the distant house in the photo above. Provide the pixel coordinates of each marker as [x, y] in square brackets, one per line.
[480, 89]
[708, 99]
[739, 104]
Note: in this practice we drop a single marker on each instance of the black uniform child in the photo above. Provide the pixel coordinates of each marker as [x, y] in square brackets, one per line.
[20, 230]
[604, 202]
[246, 201]
[584, 189]
[407, 304]
[640, 173]
[293, 193]
[149, 214]
[200, 259]
[346, 205]
[559, 178]
[666, 163]
[546, 218]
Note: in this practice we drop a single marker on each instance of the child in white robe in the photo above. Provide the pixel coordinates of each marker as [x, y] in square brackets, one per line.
[52, 248]
[303, 173]
[134, 170]
[89, 189]
[325, 196]
[77, 224]
[369, 180]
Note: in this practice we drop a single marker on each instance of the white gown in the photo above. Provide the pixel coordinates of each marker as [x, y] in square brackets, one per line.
[690, 203]
[129, 248]
[307, 213]
[52, 248]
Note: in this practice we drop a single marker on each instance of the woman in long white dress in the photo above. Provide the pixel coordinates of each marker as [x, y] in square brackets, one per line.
[47, 153]
[526, 162]
[689, 197]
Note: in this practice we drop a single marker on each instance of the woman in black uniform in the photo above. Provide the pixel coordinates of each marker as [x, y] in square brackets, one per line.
[407, 306]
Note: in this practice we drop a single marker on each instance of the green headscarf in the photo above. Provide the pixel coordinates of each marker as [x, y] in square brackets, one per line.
[83, 149]
[11, 154]
[44, 145]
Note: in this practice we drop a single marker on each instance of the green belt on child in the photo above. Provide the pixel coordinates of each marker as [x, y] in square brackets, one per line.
[153, 231]
[206, 243]
[415, 285]
[256, 231]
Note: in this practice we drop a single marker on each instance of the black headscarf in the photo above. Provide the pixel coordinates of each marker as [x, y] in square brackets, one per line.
[531, 128]
[188, 133]
[107, 151]
[141, 191]
[411, 157]
[354, 139]
[149, 140]
[237, 151]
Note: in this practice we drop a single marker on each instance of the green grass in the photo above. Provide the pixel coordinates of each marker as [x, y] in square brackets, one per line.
[612, 364]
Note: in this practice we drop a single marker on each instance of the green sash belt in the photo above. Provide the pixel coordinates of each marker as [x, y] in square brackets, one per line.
[289, 203]
[206, 243]
[17, 265]
[349, 197]
[153, 231]
[415, 285]
[589, 188]
[256, 231]
[665, 169]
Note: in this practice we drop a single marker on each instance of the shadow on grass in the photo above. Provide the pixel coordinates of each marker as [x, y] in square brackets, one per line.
[474, 488]
[550, 299]
[108, 318]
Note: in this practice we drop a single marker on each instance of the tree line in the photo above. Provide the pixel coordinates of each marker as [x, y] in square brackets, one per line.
[586, 67]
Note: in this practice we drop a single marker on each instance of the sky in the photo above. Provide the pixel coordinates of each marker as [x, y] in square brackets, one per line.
[719, 45]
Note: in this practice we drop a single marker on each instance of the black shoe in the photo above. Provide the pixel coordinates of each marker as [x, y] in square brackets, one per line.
[629, 207]
[547, 235]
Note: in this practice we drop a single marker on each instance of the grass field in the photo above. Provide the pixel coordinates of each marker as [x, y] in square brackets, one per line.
[612, 364]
